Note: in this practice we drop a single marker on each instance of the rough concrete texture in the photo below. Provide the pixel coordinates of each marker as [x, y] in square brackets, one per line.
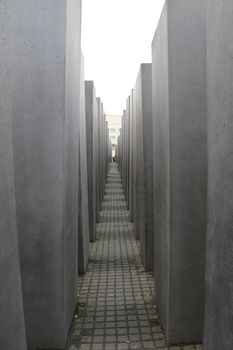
[106, 150]
[101, 153]
[125, 158]
[219, 269]
[132, 195]
[120, 149]
[99, 168]
[12, 329]
[110, 152]
[134, 169]
[144, 207]
[180, 158]
[91, 125]
[83, 217]
[104, 153]
[45, 109]
[127, 143]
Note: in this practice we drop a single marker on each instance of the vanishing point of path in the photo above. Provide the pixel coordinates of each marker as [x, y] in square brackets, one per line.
[116, 308]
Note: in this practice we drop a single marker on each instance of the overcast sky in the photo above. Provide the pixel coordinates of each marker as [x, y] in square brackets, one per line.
[116, 38]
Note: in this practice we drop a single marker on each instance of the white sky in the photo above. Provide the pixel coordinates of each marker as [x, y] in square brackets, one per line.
[116, 38]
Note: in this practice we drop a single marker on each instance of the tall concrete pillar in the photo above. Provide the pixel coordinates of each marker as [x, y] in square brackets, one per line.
[110, 150]
[120, 147]
[83, 217]
[131, 156]
[127, 141]
[124, 127]
[122, 151]
[12, 329]
[144, 223]
[127, 145]
[180, 156]
[134, 169]
[92, 160]
[102, 163]
[119, 151]
[106, 137]
[219, 277]
[98, 152]
[101, 167]
[46, 72]
[106, 150]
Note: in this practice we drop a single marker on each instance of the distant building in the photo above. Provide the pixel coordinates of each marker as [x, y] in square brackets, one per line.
[114, 125]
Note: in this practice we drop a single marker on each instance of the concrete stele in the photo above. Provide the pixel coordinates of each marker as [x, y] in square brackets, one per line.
[219, 274]
[45, 108]
[12, 329]
[180, 159]
[83, 223]
[144, 207]
[92, 153]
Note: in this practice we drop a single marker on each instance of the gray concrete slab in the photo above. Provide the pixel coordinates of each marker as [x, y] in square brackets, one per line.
[100, 168]
[131, 156]
[105, 158]
[92, 137]
[12, 329]
[122, 131]
[83, 217]
[45, 109]
[219, 277]
[180, 158]
[103, 145]
[106, 151]
[144, 207]
[98, 159]
[125, 145]
[128, 145]
[110, 152]
[134, 160]
[120, 149]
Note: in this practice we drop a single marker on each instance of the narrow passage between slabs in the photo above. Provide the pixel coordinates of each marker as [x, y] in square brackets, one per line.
[116, 308]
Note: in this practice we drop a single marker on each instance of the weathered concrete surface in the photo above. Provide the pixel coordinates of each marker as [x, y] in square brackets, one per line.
[123, 157]
[92, 137]
[99, 168]
[120, 149]
[12, 329]
[102, 154]
[46, 68]
[180, 157]
[144, 207]
[105, 151]
[134, 145]
[83, 217]
[132, 140]
[110, 152]
[219, 269]
[127, 141]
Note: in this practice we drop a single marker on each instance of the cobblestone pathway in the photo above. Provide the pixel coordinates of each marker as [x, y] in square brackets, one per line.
[116, 309]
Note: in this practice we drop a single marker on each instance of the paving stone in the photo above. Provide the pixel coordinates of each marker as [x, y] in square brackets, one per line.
[116, 308]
